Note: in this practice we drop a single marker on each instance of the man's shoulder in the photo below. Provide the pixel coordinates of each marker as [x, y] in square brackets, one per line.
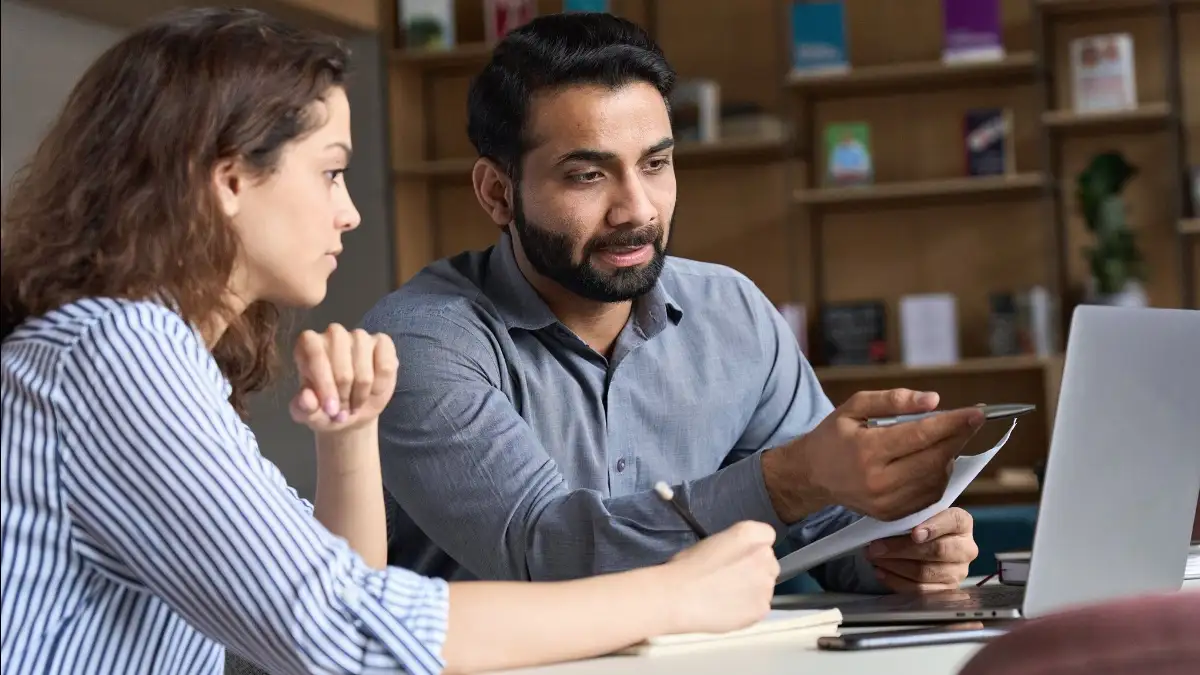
[699, 285]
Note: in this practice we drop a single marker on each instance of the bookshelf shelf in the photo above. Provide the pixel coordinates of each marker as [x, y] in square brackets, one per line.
[463, 56]
[728, 152]
[978, 366]
[924, 191]
[882, 79]
[1190, 226]
[1144, 116]
[1089, 6]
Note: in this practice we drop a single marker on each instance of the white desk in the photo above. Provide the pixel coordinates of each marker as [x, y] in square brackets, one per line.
[781, 658]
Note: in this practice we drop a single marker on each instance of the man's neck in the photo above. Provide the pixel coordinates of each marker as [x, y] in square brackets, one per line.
[596, 323]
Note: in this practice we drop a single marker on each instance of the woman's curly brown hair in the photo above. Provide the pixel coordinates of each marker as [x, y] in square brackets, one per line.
[117, 201]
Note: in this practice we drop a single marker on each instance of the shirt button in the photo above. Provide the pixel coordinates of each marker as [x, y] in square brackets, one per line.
[620, 465]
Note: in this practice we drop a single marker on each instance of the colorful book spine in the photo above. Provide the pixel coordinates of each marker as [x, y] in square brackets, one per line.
[971, 31]
[848, 154]
[988, 141]
[502, 16]
[819, 38]
[585, 6]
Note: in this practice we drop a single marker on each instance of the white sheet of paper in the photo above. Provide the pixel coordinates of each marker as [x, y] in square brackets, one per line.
[866, 530]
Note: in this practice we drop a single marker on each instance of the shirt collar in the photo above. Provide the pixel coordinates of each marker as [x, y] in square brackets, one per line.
[521, 307]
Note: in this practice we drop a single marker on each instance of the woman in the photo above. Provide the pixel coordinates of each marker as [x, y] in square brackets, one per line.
[193, 183]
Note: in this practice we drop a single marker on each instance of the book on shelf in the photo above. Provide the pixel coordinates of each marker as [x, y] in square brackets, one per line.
[848, 154]
[501, 16]
[796, 317]
[988, 141]
[1021, 322]
[819, 38]
[971, 31]
[1012, 567]
[854, 333]
[1195, 190]
[585, 6]
[1102, 73]
[929, 329]
[426, 24]
[696, 111]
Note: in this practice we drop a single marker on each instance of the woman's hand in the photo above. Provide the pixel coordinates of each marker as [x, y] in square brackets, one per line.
[346, 378]
[724, 582]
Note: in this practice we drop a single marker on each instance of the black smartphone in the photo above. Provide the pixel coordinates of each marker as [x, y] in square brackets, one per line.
[971, 631]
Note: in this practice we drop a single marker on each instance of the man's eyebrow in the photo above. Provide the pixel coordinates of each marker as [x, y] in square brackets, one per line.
[665, 143]
[590, 155]
[585, 155]
[346, 148]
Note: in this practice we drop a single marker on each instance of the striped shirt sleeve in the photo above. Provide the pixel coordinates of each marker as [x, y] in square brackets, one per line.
[166, 490]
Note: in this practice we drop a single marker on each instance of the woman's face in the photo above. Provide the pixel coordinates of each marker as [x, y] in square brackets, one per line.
[290, 222]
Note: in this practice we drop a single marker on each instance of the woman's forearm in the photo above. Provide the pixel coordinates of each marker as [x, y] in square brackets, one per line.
[497, 625]
[350, 491]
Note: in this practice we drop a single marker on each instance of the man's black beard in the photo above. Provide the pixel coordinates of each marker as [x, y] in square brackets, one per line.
[550, 254]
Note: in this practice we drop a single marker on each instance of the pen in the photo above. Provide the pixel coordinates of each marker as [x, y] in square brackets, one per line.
[991, 412]
[668, 495]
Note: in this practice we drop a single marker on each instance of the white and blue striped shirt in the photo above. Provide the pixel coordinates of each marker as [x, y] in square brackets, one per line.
[142, 529]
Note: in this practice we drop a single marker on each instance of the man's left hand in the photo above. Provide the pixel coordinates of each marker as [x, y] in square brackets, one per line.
[933, 557]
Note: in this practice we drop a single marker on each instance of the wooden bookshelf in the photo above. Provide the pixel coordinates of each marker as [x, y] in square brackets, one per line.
[1190, 226]
[344, 17]
[1150, 115]
[901, 76]
[760, 205]
[687, 156]
[925, 191]
[897, 371]
[1076, 7]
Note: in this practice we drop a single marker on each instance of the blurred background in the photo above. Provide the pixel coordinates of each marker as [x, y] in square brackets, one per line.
[925, 188]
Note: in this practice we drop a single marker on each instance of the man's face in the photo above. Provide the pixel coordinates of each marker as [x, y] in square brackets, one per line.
[595, 202]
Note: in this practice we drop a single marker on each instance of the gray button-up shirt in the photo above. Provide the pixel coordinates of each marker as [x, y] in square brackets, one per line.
[512, 450]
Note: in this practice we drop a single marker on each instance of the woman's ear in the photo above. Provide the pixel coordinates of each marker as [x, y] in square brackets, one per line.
[228, 183]
[493, 189]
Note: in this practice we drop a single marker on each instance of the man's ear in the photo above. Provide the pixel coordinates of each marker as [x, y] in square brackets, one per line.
[228, 183]
[493, 189]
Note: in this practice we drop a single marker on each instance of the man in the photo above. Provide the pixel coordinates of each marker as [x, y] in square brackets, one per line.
[549, 382]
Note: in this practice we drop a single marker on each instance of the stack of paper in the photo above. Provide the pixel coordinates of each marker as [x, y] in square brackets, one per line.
[799, 626]
[1192, 571]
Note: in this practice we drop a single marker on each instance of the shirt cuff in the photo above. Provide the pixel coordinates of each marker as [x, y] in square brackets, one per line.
[733, 494]
[408, 614]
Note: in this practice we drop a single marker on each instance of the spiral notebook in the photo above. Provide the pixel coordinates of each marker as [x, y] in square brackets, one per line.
[801, 625]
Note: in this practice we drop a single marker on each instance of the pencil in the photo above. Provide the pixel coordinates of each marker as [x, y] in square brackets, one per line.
[668, 495]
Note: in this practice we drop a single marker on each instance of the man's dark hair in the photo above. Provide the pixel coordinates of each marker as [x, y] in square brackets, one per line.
[551, 52]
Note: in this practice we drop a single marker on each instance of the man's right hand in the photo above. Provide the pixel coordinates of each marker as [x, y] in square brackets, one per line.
[885, 473]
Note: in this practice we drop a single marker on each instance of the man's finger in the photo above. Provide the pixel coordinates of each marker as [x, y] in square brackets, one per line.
[316, 372]
[951, 429]
[951, 521]
[905, 585]
[922, 572]
[890, 402]
[958, 549]
[363, 357]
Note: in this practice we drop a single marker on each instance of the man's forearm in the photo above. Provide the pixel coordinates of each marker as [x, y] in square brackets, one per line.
[349, 500]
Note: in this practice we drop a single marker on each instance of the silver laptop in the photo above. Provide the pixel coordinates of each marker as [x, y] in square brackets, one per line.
[1122, 477]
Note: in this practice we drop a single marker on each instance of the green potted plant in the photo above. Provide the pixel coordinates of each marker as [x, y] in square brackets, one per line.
[1115, 264]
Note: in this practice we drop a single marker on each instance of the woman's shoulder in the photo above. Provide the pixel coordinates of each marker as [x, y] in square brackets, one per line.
[96, 318]
[130, 330]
